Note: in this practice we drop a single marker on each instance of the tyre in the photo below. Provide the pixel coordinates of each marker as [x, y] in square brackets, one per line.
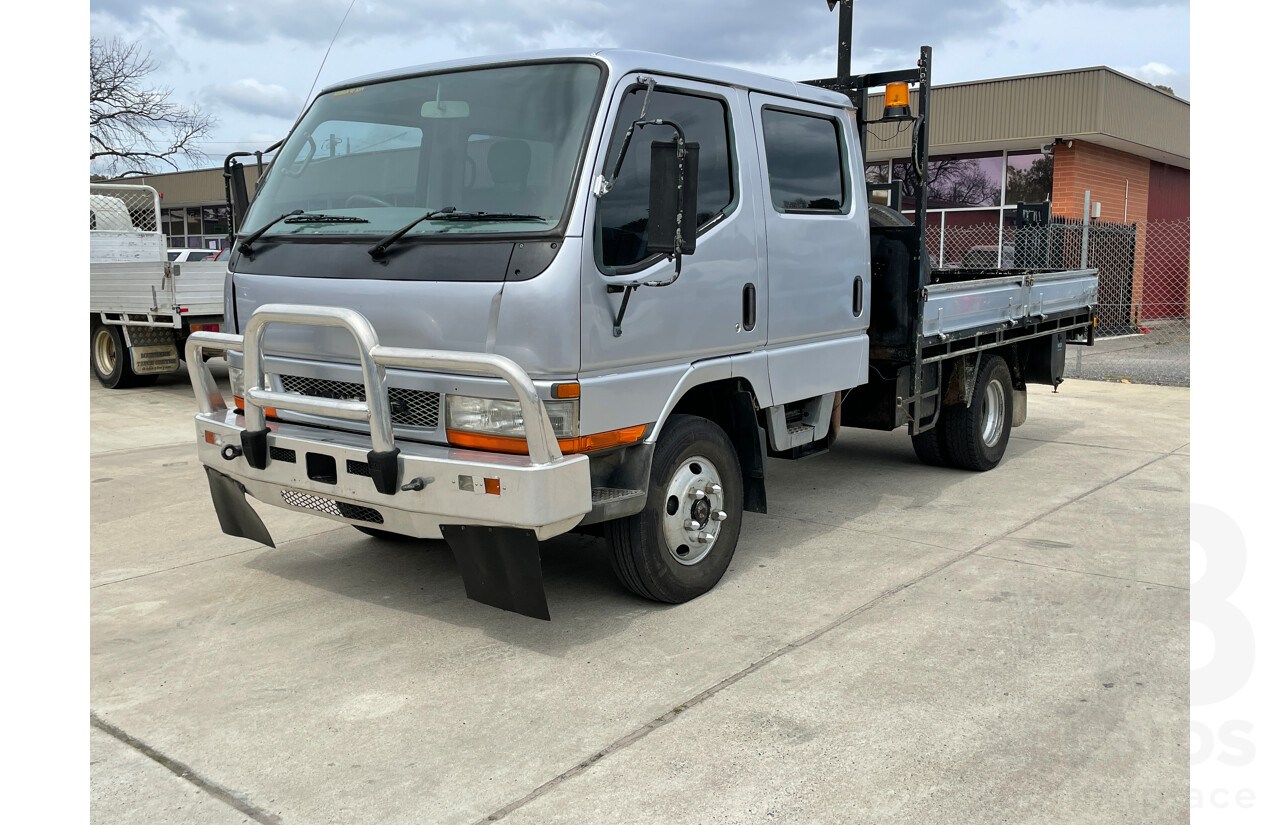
[679, 546]
[109, 358]
[931, 446]
[880, 215]
[976, 437]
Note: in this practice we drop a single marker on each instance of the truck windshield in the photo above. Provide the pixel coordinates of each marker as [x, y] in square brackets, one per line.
[500, 145]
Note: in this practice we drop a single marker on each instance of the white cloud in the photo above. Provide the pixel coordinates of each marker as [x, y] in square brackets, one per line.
[253, 97]
[278, 54]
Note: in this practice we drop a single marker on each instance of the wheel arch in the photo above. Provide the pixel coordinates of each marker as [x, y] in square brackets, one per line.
[731, 404]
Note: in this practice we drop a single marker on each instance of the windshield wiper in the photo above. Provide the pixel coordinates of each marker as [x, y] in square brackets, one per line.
[449, 213]
[312, 218]
[490, 216]
[296, 216]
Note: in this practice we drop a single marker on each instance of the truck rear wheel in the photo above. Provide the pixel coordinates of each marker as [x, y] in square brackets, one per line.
[931, 445]
[109, 358]
[679, 546]
[976, 436]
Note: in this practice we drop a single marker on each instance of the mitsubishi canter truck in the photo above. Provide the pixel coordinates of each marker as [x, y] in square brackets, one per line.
[495, 301]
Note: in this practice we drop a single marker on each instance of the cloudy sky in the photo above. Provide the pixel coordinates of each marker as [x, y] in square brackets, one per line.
[252, 64]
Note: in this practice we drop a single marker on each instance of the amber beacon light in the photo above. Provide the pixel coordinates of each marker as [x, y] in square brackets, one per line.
[897, 102]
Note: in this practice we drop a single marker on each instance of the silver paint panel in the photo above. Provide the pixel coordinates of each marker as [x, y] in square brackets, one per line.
[952, 308]
[815, 341]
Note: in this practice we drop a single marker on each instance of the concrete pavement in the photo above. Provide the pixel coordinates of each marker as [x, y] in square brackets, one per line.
[892, 643]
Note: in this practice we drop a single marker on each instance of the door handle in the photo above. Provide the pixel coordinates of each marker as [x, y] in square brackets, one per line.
[857, 295]
[749, 307]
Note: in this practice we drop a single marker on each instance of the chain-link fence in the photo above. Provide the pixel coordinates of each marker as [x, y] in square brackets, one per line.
[1144, 285]
[123, 208]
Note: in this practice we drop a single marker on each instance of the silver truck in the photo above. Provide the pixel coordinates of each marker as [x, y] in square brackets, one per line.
[142, 306]
[495, 302]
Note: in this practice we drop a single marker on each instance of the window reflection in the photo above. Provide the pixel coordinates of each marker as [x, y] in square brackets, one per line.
[955, 182]
[970, 222]
[1030, 178]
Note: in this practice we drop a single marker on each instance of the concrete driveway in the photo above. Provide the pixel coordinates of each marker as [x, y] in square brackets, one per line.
[893, 643]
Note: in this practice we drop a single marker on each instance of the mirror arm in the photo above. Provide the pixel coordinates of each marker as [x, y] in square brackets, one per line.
[604, 184]
[627, 289]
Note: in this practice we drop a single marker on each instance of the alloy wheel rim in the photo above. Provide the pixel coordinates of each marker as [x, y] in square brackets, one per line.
[992, 414]
[694, 513]
[104, 352]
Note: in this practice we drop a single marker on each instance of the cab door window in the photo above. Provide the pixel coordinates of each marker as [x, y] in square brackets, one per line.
[806, 170]
[622, 216]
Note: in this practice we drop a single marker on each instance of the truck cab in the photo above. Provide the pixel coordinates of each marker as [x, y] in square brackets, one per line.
[494, 302]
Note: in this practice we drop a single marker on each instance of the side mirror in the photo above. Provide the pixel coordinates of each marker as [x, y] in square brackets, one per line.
[237, 191]
[673, 198]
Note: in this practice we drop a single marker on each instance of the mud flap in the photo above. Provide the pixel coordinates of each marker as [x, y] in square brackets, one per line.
[151, 350]
[500, 567]
[234, 513]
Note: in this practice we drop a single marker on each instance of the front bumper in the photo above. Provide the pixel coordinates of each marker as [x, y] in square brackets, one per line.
[326, 473]
[492, 508]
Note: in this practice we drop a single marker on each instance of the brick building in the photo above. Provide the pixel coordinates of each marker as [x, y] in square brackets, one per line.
[1051, 138]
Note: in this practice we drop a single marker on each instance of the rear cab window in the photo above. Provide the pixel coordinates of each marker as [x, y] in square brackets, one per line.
[806, 163]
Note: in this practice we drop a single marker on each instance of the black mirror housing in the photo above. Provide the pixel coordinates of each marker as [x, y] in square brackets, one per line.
[237, 190]
[672, 205]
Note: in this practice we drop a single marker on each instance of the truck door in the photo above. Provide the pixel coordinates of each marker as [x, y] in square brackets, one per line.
[716, 307]
[815, 221]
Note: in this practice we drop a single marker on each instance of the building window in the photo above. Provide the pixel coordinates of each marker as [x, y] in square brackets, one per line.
[972, 199]
[955, 182]
[1030, 178]
[196, 227]
[877, 172]
[803, 155]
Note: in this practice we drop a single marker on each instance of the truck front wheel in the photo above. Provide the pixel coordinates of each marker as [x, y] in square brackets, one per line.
[976, 436]
[109, 357]
[679, 546]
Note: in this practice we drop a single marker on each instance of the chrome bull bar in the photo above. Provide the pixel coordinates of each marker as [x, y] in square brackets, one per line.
[375, 409]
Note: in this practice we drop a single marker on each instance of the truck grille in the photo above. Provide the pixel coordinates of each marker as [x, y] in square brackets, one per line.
[334, 508]
[411, 408]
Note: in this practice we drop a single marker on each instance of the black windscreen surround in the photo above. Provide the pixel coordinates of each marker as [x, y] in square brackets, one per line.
[806, 173]
[622, 216]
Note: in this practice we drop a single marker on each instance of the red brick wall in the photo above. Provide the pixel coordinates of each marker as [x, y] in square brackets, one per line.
[1109, 175]
[1103, 172]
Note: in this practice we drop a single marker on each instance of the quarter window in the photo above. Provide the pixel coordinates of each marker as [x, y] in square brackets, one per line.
[803, 154]
[622, 216]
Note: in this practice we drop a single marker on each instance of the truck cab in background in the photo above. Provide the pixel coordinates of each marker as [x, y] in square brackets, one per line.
[144, 300]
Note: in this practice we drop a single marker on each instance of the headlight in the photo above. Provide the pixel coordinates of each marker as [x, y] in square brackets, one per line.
[493, 417]
[236, 375]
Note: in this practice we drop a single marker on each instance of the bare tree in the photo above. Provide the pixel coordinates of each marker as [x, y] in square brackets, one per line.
[952, 182]
[131, 125]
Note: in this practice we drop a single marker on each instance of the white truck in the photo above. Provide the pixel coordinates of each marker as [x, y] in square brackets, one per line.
[498, 301]
[141, 306]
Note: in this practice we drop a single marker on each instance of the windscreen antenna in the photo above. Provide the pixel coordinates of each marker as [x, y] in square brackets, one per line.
[306, 99]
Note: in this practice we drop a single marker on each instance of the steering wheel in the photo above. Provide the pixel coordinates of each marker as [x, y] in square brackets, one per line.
[365, 200]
